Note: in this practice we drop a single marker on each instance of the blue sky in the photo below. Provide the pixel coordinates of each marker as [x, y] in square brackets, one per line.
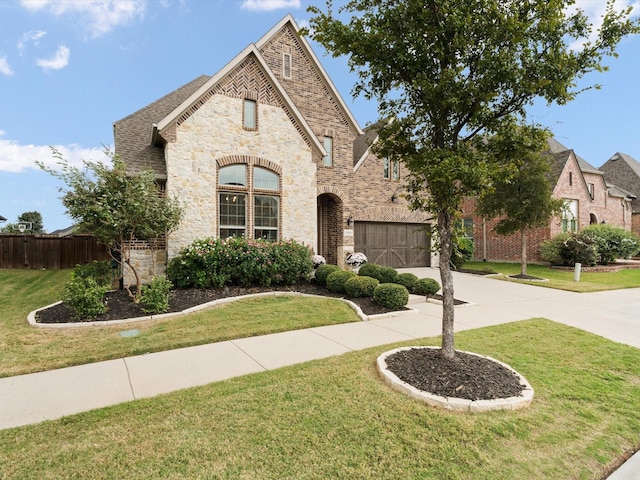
[69, 69]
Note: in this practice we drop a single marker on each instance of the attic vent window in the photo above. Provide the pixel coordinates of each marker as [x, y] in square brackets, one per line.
[250, 115]
[286, 65]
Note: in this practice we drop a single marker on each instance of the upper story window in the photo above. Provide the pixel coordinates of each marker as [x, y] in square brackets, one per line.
[570, 179]
[570, 216]
[592, 189]
[250, 114]
[328, 146]
[391, 169]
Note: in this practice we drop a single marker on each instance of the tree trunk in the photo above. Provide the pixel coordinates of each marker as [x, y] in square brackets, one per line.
[523, 261]
[445, 233]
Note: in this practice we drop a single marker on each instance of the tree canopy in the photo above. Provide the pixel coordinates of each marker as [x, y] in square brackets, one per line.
[449, 72]
[116, 207]
[521, 193]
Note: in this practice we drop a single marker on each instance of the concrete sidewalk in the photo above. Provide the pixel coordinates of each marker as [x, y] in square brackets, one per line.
[28, 399]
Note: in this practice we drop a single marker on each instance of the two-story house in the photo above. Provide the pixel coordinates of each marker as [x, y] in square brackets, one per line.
[588, 198]
[267, 148]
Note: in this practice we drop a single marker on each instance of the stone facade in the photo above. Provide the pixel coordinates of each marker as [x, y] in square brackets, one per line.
[212, 137]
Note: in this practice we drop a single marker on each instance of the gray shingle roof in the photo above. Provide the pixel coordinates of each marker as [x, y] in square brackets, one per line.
[624, 170]
[132, 134]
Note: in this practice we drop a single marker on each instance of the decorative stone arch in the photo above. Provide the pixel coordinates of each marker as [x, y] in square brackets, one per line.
[330, 204]
[249, 160]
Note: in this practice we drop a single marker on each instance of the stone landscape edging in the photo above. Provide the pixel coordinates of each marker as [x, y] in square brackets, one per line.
[31, 318]
[454, 403]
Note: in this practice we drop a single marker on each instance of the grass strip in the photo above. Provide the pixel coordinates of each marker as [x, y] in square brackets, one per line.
[334, 418]
[563, 280]
[26, 349]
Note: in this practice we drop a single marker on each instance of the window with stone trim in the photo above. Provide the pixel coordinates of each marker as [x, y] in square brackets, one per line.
[249, 202]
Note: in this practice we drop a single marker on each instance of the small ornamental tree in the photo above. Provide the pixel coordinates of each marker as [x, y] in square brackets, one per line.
[116, 207]
[520, 194]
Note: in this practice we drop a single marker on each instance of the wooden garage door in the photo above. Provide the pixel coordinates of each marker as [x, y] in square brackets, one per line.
[397, 245]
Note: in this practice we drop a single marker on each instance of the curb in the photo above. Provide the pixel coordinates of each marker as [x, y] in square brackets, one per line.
[453, 403]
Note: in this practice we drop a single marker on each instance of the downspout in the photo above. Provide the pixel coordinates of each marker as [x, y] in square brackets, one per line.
[484, 240]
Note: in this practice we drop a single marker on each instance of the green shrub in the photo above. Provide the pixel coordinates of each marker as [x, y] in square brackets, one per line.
[385, 274]
[155, 296]
[612, 242]
[463, 249]
[391, 295]
[551, 250]
[214, 262]
[360, 286]
[337, 279]
[323, 271]
[569, 249]
[426, 286]
[99, 270]
[368, 270]
[85, 297]
[408, 280]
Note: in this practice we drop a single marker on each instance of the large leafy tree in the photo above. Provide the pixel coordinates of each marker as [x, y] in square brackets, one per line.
[450, 71]
[116, 207]
[521, 192]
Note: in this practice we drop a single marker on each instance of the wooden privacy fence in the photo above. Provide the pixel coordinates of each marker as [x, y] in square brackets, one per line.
[50, 252]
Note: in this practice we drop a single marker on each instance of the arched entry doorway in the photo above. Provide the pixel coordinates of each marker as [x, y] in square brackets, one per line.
[593, 220]
[329, 226]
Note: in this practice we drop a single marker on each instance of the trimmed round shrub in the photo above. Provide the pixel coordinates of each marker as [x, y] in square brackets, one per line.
[426, 286]
[323, 271]
[337, 279]
[408, 280]
[569, 249]
[360, 286]
[386, 275]
[85, 297]
[391, 295]
[368, 270]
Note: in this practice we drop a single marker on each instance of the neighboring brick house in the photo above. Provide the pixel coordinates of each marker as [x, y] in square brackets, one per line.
[589, 200]
[267, 148]
[624, 170]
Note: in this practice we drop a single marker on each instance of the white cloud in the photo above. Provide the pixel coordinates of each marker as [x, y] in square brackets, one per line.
[18, 158]
[59, 60]
[100, 16]
[33, 37]
[5, 69]
[265, 5]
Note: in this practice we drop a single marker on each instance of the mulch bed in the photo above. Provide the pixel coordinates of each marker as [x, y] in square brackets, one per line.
[120, 306]
[466, 376]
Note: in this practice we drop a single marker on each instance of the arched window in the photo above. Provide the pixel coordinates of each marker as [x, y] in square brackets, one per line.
[249, 202]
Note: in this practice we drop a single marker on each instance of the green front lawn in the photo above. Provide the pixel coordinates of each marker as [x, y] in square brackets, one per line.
[335, 418]
[26, 349]
[563, 280]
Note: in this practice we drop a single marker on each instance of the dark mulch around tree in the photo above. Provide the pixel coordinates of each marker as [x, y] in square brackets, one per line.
[525, 277]
[120, 306]
[466, 376]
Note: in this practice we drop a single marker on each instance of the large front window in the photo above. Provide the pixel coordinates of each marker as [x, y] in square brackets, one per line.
[244, 211]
